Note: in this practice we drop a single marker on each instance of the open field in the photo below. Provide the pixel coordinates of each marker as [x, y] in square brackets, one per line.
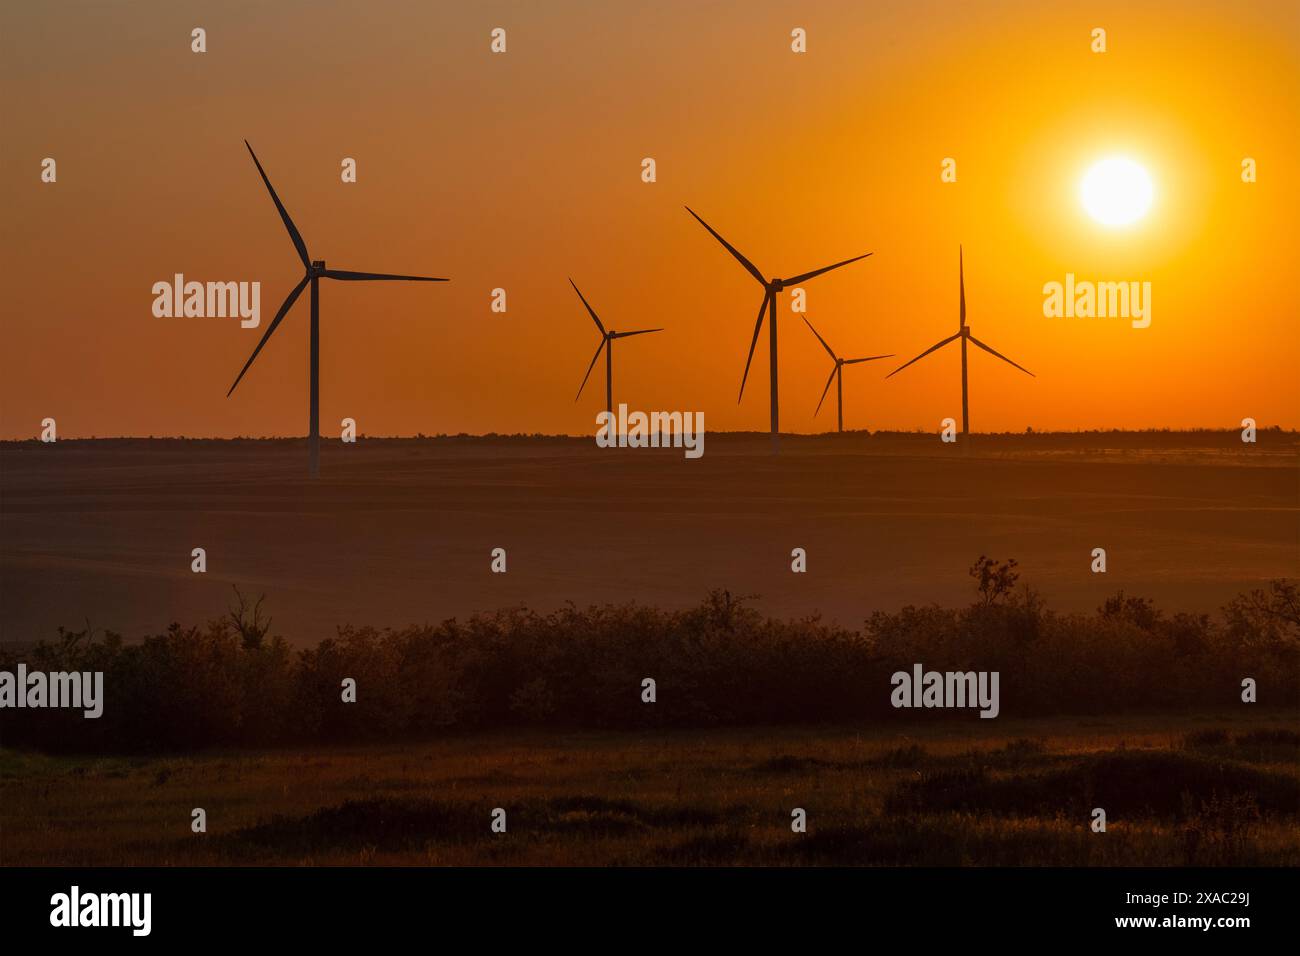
[400, 531]
[941, 792]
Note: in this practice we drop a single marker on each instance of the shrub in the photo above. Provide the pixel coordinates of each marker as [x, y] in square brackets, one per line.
[228, 683]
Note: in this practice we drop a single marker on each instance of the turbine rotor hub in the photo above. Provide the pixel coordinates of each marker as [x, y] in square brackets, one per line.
[776, 285]
[317, 266]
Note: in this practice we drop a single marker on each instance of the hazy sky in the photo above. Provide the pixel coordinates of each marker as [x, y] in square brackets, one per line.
[522, 169]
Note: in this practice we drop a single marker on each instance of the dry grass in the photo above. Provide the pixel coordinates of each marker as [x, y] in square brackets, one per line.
[904, 794]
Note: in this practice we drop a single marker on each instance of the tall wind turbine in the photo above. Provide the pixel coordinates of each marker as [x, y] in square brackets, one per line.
[606, 343]
[315, 271]
[963, 333]
[837, 373]
[770, 289]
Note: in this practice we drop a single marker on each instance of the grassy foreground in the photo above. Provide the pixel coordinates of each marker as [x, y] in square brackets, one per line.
[1210, 790]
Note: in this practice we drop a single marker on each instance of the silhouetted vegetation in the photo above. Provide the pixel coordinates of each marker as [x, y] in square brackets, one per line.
[230, 683]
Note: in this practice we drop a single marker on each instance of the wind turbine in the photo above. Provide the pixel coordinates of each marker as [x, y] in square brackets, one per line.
[963, 333]
[837, 373]
[770, 289]
[606, 343]
[315, 271]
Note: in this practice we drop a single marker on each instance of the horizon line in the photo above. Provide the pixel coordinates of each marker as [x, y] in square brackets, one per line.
[734, 433]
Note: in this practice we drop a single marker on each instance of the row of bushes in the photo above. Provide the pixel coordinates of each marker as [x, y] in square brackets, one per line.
[229, 683]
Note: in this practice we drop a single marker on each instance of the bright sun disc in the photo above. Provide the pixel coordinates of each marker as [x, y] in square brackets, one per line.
[1116, 192]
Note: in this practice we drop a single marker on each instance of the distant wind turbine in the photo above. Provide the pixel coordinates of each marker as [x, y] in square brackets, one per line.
[837, 373]
[606, 343]
[770, 289]
[315, 271]
[963, 333]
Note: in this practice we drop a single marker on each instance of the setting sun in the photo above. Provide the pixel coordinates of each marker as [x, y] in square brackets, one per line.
[1116, 191]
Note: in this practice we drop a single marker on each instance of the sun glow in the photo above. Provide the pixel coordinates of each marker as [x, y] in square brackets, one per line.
[1116, 191]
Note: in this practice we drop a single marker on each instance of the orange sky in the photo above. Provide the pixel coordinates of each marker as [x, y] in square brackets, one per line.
[522, 169]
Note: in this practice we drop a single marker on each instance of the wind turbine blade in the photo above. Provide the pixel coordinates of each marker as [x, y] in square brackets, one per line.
[753, 269]
[961, 272]
[289, 300]
[937, 345]
[758, 326]
[828, 349]
[816, 272]
[603, 343]
[594, 317]
[623, 335]
[826, 389]
[364, 276]
[869, 358]
[1000, 355]
[284, 213]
